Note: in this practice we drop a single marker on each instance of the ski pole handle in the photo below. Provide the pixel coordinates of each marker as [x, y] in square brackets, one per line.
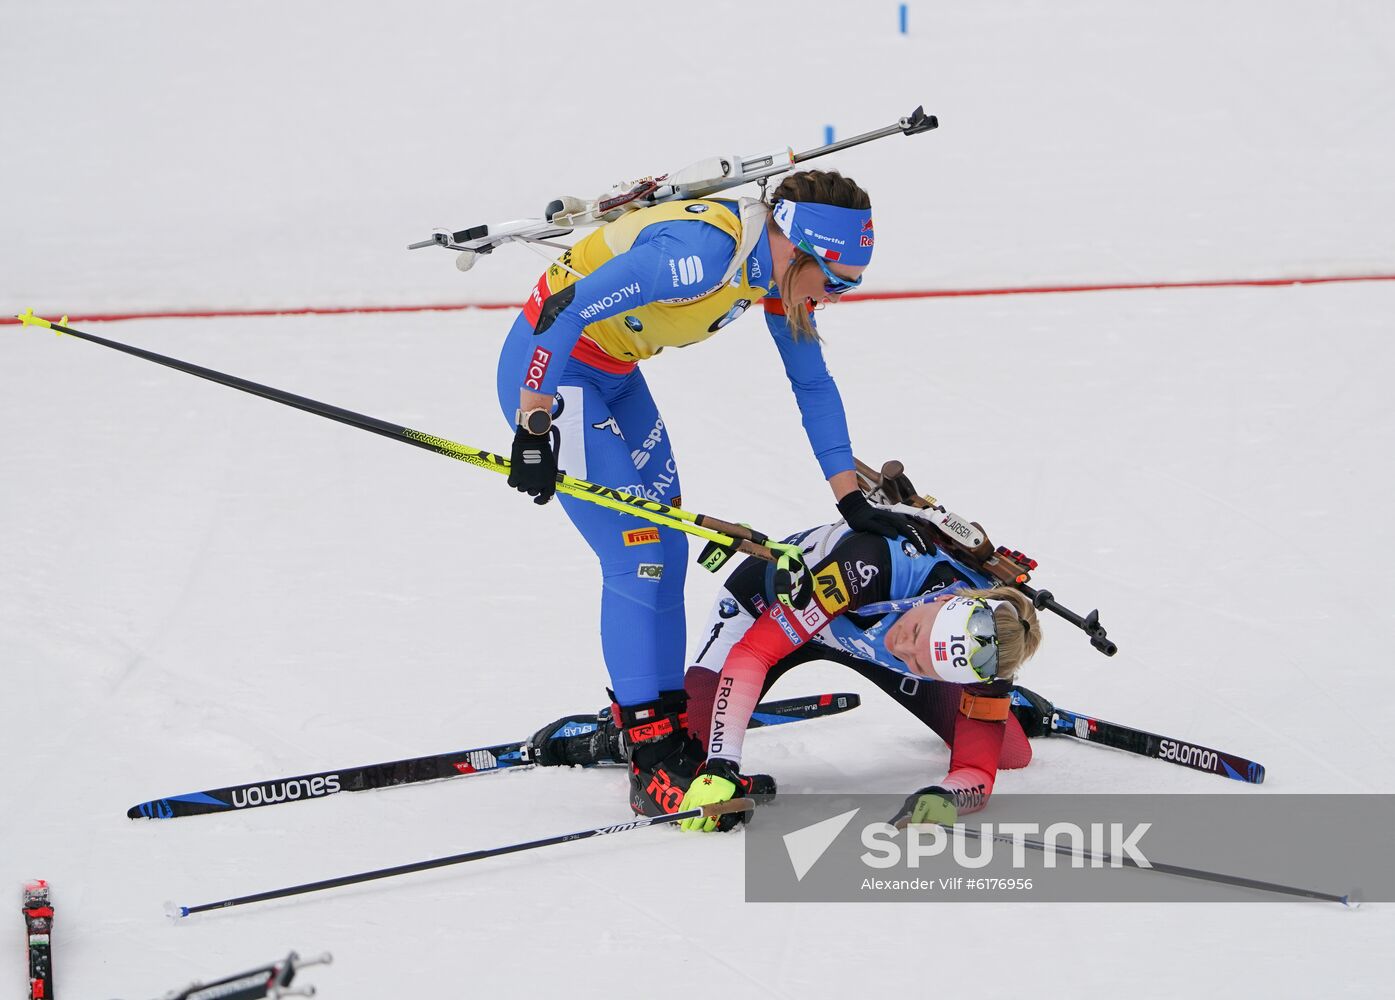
[728, 807]
[753, 542]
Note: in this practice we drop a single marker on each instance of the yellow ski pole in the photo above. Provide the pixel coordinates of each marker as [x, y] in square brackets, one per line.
[723, 534]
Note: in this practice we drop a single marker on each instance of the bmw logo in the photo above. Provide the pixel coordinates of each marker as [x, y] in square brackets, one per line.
[735, 311]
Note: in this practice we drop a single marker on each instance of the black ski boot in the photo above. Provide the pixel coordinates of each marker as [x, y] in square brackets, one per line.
[577, 741]
[665, 757]
[1032, 710]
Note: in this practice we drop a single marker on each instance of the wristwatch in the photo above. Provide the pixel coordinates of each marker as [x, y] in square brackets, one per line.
[536, 422]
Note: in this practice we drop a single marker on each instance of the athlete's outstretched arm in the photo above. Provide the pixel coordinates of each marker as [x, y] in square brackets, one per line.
[820, 404]
[974, 756]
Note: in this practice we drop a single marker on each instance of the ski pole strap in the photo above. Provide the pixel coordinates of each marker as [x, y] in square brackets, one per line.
[714, 556]
[793, 586]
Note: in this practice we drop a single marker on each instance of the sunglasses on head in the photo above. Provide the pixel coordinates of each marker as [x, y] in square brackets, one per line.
[833, 284]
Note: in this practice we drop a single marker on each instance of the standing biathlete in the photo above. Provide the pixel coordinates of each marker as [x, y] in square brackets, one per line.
[931, 631]
[670, 276]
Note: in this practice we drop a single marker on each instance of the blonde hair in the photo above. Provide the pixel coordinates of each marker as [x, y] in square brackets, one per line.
[827, 187]
[1019, 631]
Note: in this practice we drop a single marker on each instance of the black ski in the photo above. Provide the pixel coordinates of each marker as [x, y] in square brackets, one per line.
[1164, 748]
[1044, 719]
[414, 770]
[38, 922]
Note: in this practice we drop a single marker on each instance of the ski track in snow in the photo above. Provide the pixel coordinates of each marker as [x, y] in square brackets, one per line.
[198, 587]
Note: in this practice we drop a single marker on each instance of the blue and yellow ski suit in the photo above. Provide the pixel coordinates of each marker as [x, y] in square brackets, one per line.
[666, 276]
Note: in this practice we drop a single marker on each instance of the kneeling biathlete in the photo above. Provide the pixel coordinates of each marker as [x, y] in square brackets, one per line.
[931, 631]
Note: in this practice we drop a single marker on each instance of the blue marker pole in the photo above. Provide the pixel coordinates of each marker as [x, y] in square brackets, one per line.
[828, 135]
[903, 18]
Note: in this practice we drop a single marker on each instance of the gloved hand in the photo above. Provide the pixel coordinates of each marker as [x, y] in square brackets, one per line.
[862, 516]
[533, 465]
[718, 781]
[793, 585]
[931, 804]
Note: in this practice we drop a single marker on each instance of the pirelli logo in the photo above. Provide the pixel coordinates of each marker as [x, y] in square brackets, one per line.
[642, 536]
[830, 589]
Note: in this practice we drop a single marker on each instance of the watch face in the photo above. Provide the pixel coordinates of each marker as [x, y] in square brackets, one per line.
[538, 422]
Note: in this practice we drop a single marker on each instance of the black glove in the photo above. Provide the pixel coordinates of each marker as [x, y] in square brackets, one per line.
[533, 465]
[862, 516]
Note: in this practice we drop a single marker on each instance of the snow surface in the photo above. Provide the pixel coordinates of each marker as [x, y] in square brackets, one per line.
[201, 588]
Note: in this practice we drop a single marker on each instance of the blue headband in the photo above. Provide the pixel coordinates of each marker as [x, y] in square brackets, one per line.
[838, 235]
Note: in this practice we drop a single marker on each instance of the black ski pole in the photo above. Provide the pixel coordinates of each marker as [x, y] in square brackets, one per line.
[716, 809]
[1350, 899]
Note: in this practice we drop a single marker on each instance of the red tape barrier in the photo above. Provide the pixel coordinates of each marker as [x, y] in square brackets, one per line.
[933, 293]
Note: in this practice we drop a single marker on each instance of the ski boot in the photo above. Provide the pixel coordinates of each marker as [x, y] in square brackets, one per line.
[665, 757]
[576, 741]
[662, 754]
[1032, 710]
